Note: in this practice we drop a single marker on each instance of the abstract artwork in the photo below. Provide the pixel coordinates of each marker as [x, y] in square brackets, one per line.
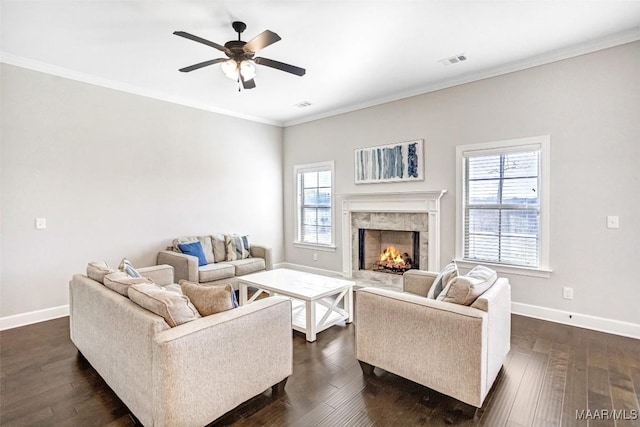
[397, 162]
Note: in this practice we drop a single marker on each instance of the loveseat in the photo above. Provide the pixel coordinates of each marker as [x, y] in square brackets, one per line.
[454, 349]
[187, 375]
[224, 262]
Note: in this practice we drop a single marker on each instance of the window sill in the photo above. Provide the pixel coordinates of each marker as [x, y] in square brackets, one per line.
[544, 273]
[305, 245]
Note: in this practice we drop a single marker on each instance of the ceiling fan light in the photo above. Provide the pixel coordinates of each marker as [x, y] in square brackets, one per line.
[230, 69]
[248, 70]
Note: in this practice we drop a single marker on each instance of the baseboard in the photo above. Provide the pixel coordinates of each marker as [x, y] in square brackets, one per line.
[616, 327]
[308, 269]
[23, 319]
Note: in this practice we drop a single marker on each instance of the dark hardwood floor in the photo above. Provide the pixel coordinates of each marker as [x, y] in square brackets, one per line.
[551, 372]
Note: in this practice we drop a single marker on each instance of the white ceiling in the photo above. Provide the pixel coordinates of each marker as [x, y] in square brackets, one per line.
[357, 53]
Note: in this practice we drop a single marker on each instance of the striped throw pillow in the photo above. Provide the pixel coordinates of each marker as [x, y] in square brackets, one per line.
[237, 247]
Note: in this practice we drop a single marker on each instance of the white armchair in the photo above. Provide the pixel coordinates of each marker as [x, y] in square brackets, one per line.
[454, 349]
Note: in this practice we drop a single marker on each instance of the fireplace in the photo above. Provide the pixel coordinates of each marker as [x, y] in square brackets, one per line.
[388, 251]
[415, 213]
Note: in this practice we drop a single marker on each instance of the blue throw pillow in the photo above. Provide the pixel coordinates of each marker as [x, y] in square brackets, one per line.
[234, 299]
[126, 266]
[195, 249]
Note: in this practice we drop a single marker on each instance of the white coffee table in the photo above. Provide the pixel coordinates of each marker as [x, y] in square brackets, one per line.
[315, 299]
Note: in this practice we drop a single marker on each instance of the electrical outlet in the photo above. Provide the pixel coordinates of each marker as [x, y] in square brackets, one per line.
[567, 293]
[315, 257]
[613, 221]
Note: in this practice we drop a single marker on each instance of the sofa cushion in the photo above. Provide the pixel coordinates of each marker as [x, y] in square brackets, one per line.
[120, 281]
[237, 247]
[248, 265]
[449, 272]
[219, 248]
[176, 309]
[96, 270]
[218, 271]
[208, 300]
[194, 249]
[126, 266]
[466, 289]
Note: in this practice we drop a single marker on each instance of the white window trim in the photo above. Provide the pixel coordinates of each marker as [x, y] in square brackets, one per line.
[544, 142]
[310, 167]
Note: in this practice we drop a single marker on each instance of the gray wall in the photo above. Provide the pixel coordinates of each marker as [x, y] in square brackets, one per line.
[120, 175]
[590, 105]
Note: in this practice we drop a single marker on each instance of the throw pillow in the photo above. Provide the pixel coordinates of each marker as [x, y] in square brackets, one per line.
[120, 281]
[175, 308]
[126, 266]
[194, 249]
[205, 241]
[446, 275]
[96, 270]
[237, 247]
[219, 248]
[208, 299]
[464, 290]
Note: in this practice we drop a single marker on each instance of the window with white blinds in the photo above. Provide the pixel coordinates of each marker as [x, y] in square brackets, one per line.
[502, 203]
[314, 188]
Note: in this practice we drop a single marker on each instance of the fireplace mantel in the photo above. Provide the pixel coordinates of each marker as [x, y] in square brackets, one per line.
[410, 202]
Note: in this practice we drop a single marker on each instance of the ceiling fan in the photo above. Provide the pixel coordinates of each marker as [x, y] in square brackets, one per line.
[239, 64]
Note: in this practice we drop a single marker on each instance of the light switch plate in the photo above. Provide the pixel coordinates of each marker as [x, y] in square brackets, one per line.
[613, 221]
[41, 223]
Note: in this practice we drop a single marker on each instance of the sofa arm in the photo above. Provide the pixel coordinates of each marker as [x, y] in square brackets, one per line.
[263, 252]
[205, 368]
[440, 345]
[159, 274]
[184, 266]
[418, 282]
[496, 301]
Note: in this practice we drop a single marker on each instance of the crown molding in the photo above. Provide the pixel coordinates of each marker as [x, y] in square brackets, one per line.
[547, 58]
[66, 73]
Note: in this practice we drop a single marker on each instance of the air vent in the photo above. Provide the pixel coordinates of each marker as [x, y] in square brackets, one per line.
[454, 59]
[303, 104]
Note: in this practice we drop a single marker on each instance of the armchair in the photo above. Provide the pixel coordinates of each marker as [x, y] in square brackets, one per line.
[454, 349]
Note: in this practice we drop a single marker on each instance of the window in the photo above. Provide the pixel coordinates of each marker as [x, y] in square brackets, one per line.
[503, 198]
[314, 204]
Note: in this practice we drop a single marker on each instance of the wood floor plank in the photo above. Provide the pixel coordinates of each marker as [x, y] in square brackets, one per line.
[599, 396]
[549, 407]
[528, 393]
[575, 395]
[499, 409]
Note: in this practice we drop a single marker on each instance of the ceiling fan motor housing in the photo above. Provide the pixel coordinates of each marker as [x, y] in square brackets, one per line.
[237, 50]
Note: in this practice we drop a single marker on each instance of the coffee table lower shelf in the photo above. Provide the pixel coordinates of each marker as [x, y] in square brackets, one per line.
[299, 317]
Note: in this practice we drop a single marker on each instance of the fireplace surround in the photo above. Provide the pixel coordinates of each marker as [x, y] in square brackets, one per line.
[410, 211]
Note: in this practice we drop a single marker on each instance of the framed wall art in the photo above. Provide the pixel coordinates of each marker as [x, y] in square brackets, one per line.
[399, 162]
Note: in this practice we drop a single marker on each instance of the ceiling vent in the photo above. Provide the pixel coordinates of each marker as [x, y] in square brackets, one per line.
[454, 59]
[303, 104]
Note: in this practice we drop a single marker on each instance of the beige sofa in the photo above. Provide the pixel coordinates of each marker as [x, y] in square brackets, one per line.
[220, 271]
[188, 375]
[454, 349]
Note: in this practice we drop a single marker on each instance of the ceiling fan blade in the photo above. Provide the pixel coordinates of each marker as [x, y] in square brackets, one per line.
[202, 64]
[261, 41]
[280, 66]
[247, 84]
[201, 40]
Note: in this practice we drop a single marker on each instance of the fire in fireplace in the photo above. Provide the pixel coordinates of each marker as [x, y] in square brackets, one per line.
[392, 261]
[388, 251]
